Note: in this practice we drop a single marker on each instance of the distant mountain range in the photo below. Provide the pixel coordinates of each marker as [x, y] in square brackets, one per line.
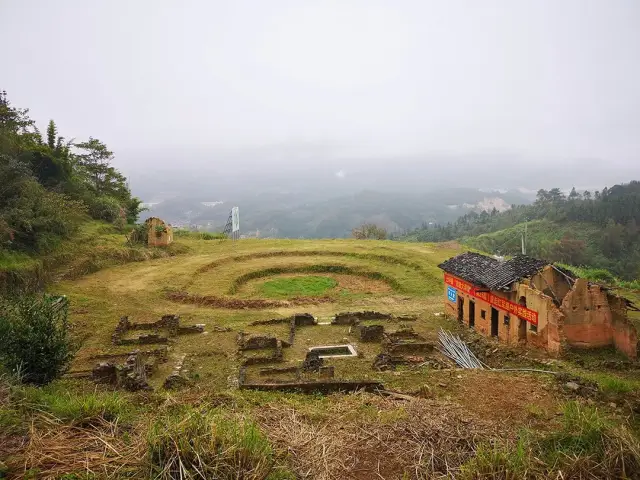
[299, 215]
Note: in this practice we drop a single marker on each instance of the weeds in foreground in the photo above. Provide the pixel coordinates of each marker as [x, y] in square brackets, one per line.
[587, 446]
[201, 445]
[78, 409]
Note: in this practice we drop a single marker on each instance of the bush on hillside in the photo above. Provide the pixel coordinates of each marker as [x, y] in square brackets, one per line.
[212, 236]
[36, 219]
[369, 231]
[34, 337]
[105, 208]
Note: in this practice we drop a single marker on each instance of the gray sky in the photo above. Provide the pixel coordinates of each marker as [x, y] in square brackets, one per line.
[551, 79]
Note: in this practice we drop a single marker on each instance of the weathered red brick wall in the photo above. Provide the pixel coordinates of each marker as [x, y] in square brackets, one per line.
[587, 322]
[551, 279]
[625, 335]
[595, 318]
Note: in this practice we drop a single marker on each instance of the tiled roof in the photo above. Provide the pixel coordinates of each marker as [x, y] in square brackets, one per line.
[469, 266]
[489, 272]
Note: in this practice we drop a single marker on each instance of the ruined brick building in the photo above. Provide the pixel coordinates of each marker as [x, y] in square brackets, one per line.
[532, 302]
[159, 233]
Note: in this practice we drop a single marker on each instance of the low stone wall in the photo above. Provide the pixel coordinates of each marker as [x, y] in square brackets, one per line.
[178, 377]
[351, 318]
[255, 342]
[131, 375]
[329, 386]
[171, 323]
[369, 333]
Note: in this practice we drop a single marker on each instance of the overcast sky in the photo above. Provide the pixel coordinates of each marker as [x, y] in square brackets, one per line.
[550, 79]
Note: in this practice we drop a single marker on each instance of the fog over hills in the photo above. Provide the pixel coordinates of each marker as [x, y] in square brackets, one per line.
[312, 192]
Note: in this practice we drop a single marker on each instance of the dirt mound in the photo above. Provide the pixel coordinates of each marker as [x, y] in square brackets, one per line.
[237, 303]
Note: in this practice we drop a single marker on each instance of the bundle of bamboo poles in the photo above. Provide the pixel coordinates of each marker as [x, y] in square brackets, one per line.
[454, 348]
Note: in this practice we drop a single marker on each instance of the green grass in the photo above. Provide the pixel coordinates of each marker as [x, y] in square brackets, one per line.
[10, 420]
[317, 268]
[63, 402]
[208, 444]
[587, 445]
[95, 246]
[613, 384]
[307, 286]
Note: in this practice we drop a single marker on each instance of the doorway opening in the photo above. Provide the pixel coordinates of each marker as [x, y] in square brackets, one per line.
[522, 330]
[494, 322]
[522, 326]
[460, 309]
[472, 313]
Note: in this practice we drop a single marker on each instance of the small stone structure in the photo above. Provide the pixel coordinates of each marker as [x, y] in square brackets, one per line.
[312, 362]
[352, 318]
[303, 319]
[131, 375]
[177, 378]
[256, 342]
[275, 356]
[159, 233]
[369, 333]
[170, 323]
[402, 334]
[399, 347]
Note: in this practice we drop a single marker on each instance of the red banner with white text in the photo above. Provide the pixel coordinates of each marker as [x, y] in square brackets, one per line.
[530, 316]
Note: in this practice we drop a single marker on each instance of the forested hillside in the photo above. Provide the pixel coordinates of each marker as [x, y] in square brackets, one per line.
[50, 186]
[598, 229]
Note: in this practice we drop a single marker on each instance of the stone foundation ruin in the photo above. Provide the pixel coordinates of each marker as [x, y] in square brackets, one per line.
[169, 323]
[130, 375]
[400, 345]
[138, 366]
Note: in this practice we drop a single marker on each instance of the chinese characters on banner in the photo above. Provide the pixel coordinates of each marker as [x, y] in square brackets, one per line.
[499, 302]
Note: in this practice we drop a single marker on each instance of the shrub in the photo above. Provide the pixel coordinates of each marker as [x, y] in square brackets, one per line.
[139, 234]
[105, 208]
[599, 275]
[212, 236]
[368, 231]
[38, 219]
[34, 337]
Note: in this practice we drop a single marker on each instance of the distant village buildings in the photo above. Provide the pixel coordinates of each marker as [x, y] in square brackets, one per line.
[531, 302]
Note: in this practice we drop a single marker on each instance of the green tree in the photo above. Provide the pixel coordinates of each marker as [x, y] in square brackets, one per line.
[94, 159]
[613, 238]
[574, 195]
[52, 134]
[368, 231]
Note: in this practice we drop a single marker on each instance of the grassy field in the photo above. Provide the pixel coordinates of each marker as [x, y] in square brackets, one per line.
[453, 423]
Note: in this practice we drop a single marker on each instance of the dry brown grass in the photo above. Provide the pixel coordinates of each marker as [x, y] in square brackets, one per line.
[365, 436]
[101, 449]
